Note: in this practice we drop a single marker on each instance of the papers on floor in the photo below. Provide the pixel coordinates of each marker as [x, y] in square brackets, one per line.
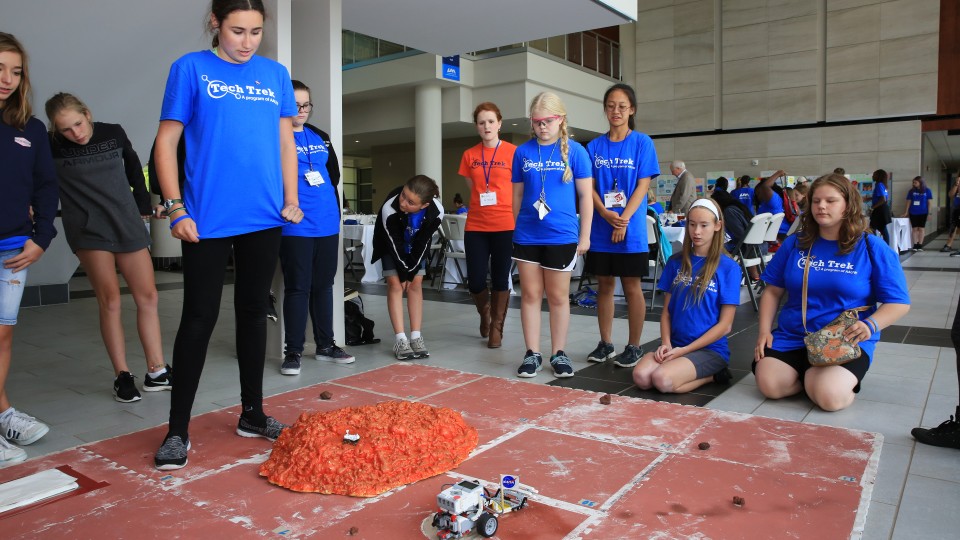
[36, 487]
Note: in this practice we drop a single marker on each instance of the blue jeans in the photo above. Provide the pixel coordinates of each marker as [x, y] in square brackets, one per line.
[11, 288]
[309, 266]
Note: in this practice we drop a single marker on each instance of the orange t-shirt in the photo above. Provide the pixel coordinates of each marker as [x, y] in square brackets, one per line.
[498, 217]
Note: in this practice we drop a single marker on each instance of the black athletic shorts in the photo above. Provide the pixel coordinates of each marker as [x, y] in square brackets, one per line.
[560, 257]
[617, 264]
[797, 359]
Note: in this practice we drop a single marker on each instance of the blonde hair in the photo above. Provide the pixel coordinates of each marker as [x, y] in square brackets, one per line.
[709, 269]
[61, 101]
[550, 102]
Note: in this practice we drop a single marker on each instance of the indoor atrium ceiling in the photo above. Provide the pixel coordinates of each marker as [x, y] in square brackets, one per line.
[449, 27]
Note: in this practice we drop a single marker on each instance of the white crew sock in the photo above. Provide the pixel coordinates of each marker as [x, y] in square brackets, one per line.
[401, 336]
[414, 334]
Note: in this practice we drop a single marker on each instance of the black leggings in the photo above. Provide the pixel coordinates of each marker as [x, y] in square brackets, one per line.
[488, 250]
[204, 265]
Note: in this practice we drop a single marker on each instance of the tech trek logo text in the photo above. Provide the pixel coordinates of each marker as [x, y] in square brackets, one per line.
[218, 89]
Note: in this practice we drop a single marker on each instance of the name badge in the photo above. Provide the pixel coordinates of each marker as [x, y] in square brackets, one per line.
[488, 199]
[542, 208]
[313, 178]
[614, 199]
[916, 203]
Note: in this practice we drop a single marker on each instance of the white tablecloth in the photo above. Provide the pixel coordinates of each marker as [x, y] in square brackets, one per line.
[675, 234]
[899, 230]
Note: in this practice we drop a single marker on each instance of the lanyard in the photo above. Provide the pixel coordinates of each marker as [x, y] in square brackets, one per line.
[306, 148]
[619, 154]
[488, 170]
[543, 175]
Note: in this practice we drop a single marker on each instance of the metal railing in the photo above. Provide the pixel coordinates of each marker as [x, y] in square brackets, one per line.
[588, 50]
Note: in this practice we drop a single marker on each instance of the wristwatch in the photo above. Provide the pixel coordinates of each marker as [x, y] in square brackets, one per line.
[170, 202]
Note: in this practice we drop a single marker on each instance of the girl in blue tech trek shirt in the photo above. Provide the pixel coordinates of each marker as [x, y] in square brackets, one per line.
[306, 247]
[624, 162]
[848, 269]
[702, 288]
[880, 205]
[551, 183]
[919, 203]
[235, 110]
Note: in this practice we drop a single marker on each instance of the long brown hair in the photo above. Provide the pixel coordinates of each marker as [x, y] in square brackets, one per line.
[709, 269]
[853, 225]
[17, 110]
[221, 9]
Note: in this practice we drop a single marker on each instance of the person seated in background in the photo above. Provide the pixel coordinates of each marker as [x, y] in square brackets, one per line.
[721, 184]
[346, 208]
[653, 204]
[840, 170]
[744, 193]
[736, 220]
[458, 206]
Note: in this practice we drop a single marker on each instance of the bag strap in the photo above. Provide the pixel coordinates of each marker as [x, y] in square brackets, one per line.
[806, 277]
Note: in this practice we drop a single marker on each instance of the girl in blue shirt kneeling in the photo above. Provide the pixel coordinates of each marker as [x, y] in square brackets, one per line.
[702, 285]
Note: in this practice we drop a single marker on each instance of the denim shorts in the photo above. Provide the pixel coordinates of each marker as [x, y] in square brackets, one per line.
[11, 289]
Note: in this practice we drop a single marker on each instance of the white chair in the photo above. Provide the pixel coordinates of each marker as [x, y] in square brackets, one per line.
[794, 227]
[452, 226]
[747, 251]
[655, 257]
[352, 246]
[773, 231]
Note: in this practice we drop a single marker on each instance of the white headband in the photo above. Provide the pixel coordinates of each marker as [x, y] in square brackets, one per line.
[703, 203]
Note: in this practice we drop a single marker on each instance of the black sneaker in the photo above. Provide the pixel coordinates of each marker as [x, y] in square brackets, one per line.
[947, 434]
[291, 364]
[335, 354]
[270, 431]
[562, 367]
[602, 353]
[158, 384]
[945, 249]
[630, 356]
[723, 376]
[955, 253]
[125, 388]
[532, 364]
[172, 454]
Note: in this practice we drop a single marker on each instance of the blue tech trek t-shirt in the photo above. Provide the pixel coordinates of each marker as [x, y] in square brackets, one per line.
[869, 274]
[321, 216]
[879, 192]
[698, 318]
[744, 195]
[619, 166]
[917, 201]
[414, 221]
[561, 225]
[231, 116]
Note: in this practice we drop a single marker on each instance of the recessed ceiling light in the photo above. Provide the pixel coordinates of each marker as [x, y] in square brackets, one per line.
[513, 124]
[356, 141]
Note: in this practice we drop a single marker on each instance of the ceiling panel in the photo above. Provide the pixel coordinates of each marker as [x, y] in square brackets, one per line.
[448, 27]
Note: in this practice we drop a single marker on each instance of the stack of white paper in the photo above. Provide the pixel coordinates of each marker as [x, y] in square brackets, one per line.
[36, 487]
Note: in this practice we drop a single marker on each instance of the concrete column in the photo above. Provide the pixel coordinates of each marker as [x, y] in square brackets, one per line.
[428, 129]
[313, 31]
[628, 53]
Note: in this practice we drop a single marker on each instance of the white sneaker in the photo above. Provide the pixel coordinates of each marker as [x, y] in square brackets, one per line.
[10, 454]
[402, 350]
[22, 429]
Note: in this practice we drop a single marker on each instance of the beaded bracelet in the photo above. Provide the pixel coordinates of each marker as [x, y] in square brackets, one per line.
[181, 218]
[175, 210]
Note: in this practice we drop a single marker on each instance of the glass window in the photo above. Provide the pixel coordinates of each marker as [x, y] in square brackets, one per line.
[539, 44]
[574, 51]
[557, 46]
[590, 51]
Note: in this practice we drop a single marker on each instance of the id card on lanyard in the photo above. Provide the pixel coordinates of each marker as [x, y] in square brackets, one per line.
[616, 197]
[541, 204]
[488, 198]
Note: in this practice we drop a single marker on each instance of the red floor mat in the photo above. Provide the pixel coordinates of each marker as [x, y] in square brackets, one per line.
[630, 469]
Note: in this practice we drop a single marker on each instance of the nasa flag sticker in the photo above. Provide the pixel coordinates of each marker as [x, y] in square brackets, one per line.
[508, 481]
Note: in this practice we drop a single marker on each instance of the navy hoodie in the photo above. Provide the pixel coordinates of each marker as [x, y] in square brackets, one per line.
[28, 179]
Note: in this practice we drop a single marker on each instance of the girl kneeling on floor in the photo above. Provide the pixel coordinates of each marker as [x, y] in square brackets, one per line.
[702, 288]
[401, 238]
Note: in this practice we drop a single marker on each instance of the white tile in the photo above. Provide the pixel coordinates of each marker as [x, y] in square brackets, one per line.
[743, 398]
[880, 518]
[893, 421]
[892, 473]
[927, 509]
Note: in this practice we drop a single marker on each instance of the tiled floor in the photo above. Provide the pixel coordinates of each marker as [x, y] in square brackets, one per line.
[61, 375]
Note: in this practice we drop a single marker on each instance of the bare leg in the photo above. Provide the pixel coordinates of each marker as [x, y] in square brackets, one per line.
[6, 354]
[137, 270]
[776, 379]
[643, 373]
[830, 387]
[101, 270]
[531, 296]
[636, 308]
[557, 285]
[605, 307]
[415, 303]
[395, 303]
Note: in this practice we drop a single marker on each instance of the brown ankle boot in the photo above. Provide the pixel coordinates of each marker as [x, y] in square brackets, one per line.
[499, 300]
[482, 300]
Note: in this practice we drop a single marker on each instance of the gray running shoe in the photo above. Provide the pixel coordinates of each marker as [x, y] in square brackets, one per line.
[172, 454]
[419, 348]
[402, 350]
[270, 431]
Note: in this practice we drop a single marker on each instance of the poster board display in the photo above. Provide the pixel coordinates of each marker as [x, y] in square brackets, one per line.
[711, 180]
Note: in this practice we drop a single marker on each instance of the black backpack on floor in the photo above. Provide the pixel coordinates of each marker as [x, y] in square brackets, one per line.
[358, 329]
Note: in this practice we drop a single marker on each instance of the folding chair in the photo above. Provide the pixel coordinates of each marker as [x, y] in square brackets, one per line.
[352, 246]
[452, 226]
[773, 230]
[656, 256]
[794, 227]
[747, 251]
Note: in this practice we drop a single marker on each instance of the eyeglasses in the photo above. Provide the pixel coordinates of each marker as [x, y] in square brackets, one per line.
[304, 107]
[546, 121]
[618, 108]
